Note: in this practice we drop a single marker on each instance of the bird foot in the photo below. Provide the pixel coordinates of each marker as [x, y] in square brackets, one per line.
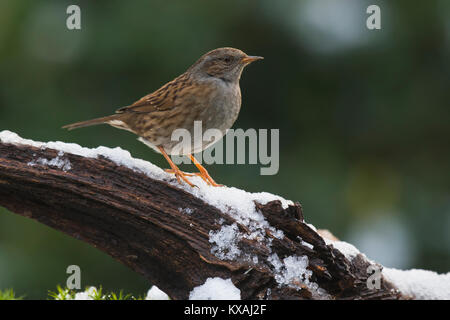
[180, 175]
[204, 175]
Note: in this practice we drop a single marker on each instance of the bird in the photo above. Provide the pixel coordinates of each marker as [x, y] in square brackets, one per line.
[208, 91]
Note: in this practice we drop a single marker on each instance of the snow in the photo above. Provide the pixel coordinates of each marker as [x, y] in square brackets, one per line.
[88, 294]
[236, 202]
[225, 242]
[216, 289]
[117, 155]
[156, 294]
[306, 244]
[58, 162]
[416, 283]
[292, 271]
[347, 249]
[420, 284]
[186, 210]
[239, 204]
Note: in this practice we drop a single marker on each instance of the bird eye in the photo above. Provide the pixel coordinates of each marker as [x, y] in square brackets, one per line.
[227, 59]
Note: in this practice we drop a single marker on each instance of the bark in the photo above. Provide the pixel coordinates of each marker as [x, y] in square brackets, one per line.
[140, 222]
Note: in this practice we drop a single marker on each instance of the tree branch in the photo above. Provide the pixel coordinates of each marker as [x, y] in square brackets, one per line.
[171, 235]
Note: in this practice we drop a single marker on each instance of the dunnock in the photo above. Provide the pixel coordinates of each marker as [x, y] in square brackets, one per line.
[208, 92]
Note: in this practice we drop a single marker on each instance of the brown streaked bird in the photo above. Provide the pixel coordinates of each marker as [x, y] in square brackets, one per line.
[208, 92]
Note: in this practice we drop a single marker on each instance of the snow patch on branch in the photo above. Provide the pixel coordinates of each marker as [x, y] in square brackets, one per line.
[225, 242]
[415, 283]
[420, 284]
[58, 162]
[156, 294]
[216, 289]
[347, 249]
[238, 203]
[292, 272]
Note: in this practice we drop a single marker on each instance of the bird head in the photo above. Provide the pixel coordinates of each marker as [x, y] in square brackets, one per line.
[225, 64]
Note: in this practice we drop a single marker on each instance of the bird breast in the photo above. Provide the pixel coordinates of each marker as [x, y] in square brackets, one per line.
[224, 106]
[216, 104]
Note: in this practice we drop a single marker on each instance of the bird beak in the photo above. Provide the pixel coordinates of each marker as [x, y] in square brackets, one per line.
[250, 59]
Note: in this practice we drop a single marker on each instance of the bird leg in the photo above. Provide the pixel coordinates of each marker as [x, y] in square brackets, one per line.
[178, 173]
[203, 173]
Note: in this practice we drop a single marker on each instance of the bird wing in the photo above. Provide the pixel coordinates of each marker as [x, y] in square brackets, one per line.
[162, 99]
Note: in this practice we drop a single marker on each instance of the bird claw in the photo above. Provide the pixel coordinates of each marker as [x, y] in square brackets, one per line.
[180, 175]
[204, 175]
[210, 181]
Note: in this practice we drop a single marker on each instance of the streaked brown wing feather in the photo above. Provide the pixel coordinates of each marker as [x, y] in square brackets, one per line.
[162, 99]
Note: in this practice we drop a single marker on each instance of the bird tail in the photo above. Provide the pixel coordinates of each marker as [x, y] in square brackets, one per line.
[92, 122]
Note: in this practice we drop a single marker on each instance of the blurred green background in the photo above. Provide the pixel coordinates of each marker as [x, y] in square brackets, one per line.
[363, 115]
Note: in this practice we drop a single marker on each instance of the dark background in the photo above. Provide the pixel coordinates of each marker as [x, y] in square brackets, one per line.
[363, 115]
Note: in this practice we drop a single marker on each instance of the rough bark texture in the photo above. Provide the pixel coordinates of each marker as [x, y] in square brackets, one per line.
[138, 221]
